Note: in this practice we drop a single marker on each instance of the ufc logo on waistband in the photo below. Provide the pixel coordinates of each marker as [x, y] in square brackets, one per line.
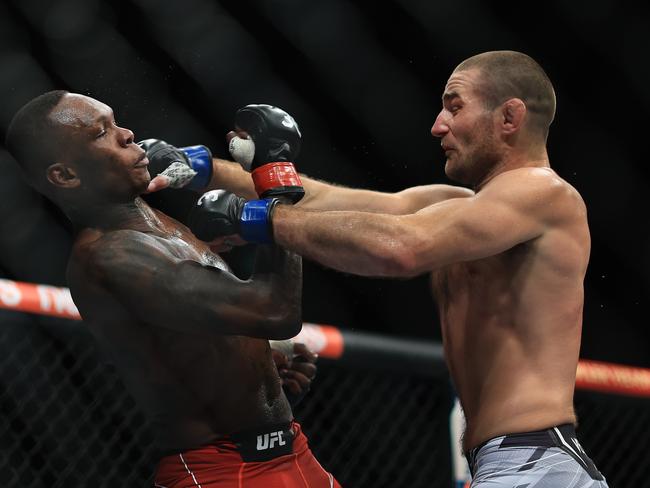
[268, 441]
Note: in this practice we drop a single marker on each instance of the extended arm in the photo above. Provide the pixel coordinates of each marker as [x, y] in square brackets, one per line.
[274, 142]
[320, 195]
[462, 229]
[161, 289]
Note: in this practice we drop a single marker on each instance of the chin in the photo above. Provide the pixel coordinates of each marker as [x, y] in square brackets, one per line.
[455, 173]
[141, 186]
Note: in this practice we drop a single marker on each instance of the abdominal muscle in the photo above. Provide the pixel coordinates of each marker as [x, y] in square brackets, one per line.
[504, 392]
[512, 356]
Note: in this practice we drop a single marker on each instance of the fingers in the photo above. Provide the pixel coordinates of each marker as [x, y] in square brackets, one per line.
[298, 377]
[158, 183]
[281, 361]
[300, 349]
[306, 369]
[295, 381]
[226, 243]
[242, 134]
[235, 240]
[220, 249]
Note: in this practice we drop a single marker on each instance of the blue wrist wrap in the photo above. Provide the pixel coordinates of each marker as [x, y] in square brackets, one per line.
[201, 162]
[254, 222]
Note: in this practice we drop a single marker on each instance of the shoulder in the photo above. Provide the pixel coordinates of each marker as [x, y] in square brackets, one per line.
[539, 189]
[526, 180]
[95, 251]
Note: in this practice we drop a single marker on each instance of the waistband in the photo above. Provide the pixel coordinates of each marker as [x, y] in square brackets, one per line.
[266, 443]
[561, 436]
[536, 438]
[260, 444]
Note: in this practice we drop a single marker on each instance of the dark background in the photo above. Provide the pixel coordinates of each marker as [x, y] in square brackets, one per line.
[364, 80]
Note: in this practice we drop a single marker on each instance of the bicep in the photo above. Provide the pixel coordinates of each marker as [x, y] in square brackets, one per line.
[468, 229]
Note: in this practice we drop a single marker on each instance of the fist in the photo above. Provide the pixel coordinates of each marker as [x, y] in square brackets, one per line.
[216, 214]
[297, 370]
[274, 132]
[272, 142]
[186, 166]
[221, 213]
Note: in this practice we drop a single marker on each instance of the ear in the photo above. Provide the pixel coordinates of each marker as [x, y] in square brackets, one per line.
[62, 176]
[513, 114]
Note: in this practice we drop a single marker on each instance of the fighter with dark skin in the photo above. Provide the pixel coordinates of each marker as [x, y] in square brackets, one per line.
[197, 351]
[190, 339]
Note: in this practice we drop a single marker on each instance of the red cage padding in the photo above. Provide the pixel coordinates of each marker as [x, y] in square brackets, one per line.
[326, 340]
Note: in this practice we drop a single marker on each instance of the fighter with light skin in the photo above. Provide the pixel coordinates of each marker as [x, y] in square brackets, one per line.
[507, 263]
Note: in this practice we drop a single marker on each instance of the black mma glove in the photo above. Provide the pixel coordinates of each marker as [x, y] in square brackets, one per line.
[221, 213]
[269, 153]
[189, 167]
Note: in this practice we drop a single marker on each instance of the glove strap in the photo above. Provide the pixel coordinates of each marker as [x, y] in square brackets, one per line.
[279, 178]
[255, 222]
[200, 160]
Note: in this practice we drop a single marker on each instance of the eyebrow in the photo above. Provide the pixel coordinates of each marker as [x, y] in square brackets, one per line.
[103, 118]
[106, 116]
[449, 96]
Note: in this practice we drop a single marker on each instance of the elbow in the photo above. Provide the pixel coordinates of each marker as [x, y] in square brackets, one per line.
[285, 326]
[398, 261]
[285, 329]
[283, 321]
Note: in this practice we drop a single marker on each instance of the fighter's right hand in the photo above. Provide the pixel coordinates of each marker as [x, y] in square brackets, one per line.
[266, 143]
[221, 213]
[189, 167]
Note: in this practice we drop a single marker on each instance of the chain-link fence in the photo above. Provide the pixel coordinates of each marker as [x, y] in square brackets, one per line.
[68, 422]
[615, 432]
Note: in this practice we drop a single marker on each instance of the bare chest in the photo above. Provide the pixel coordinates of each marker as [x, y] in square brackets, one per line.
[481, 279]
[184, 248]
[184, 245]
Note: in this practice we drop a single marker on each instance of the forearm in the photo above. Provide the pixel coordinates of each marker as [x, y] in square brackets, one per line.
[352, 242]
[320, 195]
[207, 300]
[232, 177]
[279, 272]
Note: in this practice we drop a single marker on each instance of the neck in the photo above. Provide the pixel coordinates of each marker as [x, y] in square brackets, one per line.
[136, 215]
[532, 159]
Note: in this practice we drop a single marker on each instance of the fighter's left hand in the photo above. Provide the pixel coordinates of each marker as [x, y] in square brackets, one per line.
[298, 372]
[226, 243]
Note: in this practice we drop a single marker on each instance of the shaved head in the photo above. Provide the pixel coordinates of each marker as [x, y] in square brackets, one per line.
[510, 74]
[30, 136]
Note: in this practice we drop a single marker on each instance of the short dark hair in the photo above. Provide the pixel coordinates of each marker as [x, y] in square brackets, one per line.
[511, 74]
[27, 136]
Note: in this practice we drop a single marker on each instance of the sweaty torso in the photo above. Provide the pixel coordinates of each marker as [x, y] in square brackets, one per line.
[195, 388]
[511, 326]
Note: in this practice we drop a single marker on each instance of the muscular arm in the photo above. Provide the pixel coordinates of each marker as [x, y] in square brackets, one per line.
[514, 208]
[163, 290]
[326, 196]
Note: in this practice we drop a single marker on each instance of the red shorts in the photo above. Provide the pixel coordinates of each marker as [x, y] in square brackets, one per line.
[222, 465]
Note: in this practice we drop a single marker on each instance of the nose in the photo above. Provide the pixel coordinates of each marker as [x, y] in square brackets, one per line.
[441, 125]
[126, 136]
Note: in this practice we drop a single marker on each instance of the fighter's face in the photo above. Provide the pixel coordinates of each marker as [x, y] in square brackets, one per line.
[466, 129]
[101, 154]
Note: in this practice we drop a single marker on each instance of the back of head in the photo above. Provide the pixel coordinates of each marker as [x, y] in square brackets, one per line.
[30, 135]
[511, 74]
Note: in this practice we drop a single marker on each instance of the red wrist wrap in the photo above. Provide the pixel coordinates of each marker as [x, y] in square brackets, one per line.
[273, 175]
